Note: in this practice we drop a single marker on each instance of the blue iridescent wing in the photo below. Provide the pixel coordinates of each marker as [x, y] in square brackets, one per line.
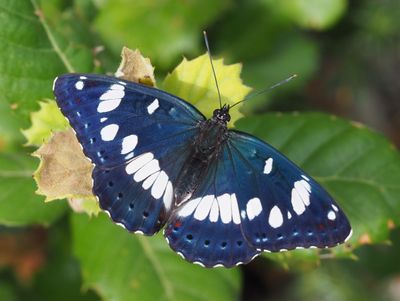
[136, 136]
[254, 199]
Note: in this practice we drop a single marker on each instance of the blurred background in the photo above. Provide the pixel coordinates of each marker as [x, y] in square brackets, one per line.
[347, 58]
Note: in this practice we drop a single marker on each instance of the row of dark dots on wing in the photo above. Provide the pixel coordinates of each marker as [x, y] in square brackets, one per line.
[131, 205]
[207, 242]
[190, 237]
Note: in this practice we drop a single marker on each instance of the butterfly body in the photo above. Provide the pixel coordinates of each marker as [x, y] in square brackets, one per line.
[206, 149]
[223, 196]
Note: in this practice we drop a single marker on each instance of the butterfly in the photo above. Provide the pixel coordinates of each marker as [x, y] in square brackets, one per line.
[221, 195]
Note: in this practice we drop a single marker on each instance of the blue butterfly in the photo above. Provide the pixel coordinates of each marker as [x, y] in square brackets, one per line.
[222, 195]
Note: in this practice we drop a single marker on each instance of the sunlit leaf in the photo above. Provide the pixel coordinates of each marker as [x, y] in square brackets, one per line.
[193, 81]
[45, 122]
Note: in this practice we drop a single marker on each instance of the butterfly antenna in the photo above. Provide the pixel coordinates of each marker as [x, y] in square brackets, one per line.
[252, 95]
[212, 67]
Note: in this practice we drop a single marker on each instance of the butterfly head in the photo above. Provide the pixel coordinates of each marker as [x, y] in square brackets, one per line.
[222, 115]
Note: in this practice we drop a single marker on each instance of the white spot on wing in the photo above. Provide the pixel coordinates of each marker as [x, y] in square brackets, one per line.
[289, 215]
[268, 166]
[128, 144]
[146, 170]
[112, 94]
[82, 77]
[253, 208]
[109, 132]
[304, 189]
[297, 203]
[168, 195]
[108, 105]
[150, 181]
[235, 209]
[102, 119]
[275, 219]
[159, 185]
[79, 85]
[129, 156]
[189, 207]
[204, 207]
[214, 213]
[335, 208]
[224, 202]
[300, 196]
[331, 215]
[151, 108]
[138, 162]
[117, 87]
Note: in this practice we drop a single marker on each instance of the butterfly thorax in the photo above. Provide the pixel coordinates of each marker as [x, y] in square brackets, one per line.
[206, 147]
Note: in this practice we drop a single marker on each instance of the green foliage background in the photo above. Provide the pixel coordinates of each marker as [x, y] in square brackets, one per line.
[346, 56]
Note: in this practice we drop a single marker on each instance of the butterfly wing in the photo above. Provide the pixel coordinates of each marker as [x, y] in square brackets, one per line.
[137, 137]
[254, 199]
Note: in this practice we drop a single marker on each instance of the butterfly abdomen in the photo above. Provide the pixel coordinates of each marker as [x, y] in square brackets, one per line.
[206, 148]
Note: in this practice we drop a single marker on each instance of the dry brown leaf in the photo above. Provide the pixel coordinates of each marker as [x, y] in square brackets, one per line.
[135, 68]
[64, 171]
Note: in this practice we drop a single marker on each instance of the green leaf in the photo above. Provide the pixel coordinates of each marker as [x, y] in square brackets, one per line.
[19, 205]
[333, 282]
[34, 53]
[121, 266]
[44, 122]
[7, 292]
[250, 31]
[193, 81]
[10, 135]
[358, 167]
[162, 30]
[283, 63]
[311, 14]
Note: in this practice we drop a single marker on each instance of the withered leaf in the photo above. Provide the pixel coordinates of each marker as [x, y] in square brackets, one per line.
[64, 171]
[135, 68]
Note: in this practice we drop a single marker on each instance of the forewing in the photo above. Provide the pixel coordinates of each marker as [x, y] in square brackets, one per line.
[138, 138]
[265, 203]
